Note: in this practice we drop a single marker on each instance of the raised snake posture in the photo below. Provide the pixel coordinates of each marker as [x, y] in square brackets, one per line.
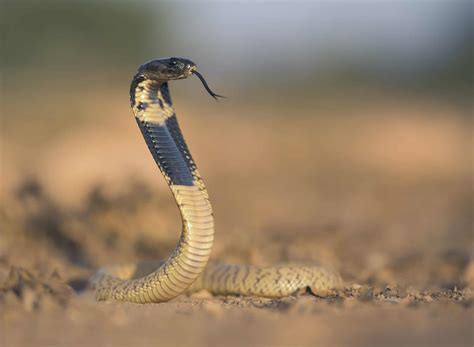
[187, 268]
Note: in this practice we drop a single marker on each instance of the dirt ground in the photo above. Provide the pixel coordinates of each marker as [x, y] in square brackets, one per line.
[377, 187]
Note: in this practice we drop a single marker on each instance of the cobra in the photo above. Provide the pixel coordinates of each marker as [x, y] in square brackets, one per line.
[187, 268]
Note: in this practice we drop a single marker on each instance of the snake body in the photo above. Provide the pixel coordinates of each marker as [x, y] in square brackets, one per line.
[187, 268]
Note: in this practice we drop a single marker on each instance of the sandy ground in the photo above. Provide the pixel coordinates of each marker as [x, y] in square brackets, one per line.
[378, 188]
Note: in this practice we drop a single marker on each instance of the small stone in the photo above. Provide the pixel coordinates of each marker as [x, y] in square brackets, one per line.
[390, 292]
[428, 298]
[393, 300]
[213, 308]
[355, 287]
[414, 294]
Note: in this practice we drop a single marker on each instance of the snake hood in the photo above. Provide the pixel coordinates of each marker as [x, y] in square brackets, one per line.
[173, 68]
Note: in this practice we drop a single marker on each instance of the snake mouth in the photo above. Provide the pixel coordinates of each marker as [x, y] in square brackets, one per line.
[206, 86]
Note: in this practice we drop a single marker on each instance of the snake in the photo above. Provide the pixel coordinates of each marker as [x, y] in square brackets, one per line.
[188, 268]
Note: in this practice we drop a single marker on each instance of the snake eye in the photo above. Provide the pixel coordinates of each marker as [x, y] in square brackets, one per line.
[173, 62]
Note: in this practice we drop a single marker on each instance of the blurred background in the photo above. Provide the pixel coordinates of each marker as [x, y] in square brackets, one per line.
[345, 140]
[345, 137]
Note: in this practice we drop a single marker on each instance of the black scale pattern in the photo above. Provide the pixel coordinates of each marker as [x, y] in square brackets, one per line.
[167, 153]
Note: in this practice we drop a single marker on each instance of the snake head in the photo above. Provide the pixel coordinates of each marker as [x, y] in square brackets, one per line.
[173, 68]
[166, 69]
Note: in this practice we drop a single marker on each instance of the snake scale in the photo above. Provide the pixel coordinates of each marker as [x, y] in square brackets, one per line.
[187, 268]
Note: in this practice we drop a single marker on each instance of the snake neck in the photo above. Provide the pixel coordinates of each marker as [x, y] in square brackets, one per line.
[153, 110]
